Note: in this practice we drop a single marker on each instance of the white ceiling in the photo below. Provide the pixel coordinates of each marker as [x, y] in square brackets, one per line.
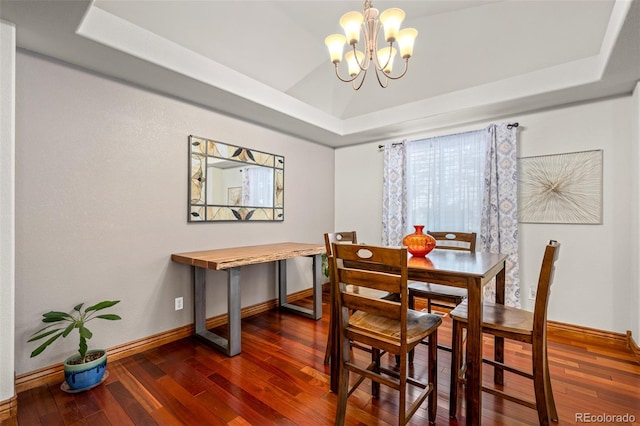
[265, 61]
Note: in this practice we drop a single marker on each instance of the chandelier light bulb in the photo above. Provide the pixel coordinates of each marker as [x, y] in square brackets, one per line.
[354, 62]
[386, 62]
[406, 39]
[350, 23]
[335, 43]
[391, 19]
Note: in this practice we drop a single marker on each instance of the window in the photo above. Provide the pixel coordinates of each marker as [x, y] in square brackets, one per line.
[445, 182]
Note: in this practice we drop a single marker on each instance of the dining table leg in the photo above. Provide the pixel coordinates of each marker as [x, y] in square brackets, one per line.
[474, 352]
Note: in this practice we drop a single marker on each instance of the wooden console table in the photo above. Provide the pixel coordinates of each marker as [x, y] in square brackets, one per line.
[230, 260]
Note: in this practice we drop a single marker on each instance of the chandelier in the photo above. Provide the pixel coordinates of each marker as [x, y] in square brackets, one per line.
[358, 62]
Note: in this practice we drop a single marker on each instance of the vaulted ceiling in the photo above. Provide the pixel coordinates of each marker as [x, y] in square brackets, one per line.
[265, 61]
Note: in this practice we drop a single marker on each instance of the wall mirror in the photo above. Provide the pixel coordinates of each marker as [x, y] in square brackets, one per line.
[232, 183]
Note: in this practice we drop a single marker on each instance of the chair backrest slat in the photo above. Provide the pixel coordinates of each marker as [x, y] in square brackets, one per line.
[339, 237]
[382, 307]
[372, 279]
[465, 241]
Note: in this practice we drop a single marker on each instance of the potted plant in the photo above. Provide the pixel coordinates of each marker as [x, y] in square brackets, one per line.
[85, 369]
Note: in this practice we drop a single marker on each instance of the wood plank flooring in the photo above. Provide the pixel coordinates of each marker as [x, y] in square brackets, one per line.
[280, 379]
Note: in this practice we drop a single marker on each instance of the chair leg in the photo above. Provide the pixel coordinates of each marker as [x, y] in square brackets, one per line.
[375, 358]
[332, 324]
[540, 385]
[402, 399]
[456, 357]
[433, 375]
[327, 351]
[412, 305]
[343, 382]
[550, 400]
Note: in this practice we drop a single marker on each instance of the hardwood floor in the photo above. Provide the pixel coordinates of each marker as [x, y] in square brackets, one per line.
[280, 379]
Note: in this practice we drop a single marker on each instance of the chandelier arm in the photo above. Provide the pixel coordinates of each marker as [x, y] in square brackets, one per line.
[382, 67]
[353, 83]
[386, 80]
[406, 68]
[362, 65]
[345, 80]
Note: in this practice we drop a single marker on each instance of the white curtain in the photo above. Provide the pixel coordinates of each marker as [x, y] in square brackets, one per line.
[394, 197]
[499, 227]
[257, 186]
[445, 177]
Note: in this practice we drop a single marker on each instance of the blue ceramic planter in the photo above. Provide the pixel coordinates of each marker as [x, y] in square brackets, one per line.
[87, 375]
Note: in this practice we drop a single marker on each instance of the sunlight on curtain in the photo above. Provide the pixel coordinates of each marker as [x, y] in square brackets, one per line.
[445, 178]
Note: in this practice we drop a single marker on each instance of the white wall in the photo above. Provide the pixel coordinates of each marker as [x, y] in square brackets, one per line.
[634, 296]
[7, 208]
[594, 272]
[101, 188]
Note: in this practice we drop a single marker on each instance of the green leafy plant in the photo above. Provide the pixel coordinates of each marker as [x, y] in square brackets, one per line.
[61, 324]
[325, 265]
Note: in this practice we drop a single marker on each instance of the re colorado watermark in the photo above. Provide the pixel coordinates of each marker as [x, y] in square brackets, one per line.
[604, 418]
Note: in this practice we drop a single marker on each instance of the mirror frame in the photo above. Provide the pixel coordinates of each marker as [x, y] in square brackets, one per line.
[202, 211]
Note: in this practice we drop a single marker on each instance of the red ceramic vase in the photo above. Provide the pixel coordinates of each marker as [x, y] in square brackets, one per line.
[419, 244]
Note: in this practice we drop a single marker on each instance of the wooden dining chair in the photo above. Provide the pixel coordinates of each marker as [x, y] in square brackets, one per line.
[329, 239]
[387, 325]
[516, 324]
[349, 237]
[440, 295]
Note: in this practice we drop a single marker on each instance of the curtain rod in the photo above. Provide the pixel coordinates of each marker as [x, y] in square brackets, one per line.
[509, 126]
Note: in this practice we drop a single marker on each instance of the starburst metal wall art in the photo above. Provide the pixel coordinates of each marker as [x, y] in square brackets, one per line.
[561, 188]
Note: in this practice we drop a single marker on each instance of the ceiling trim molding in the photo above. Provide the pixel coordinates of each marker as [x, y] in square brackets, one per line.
[112, 31]
[616, 22]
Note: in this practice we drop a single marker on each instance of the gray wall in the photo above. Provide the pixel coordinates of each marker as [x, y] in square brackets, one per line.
[7, 209]
[634, 231]
[101, 192]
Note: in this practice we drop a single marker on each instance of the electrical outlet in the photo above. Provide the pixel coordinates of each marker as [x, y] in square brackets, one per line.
[532, 293]
[178, 303]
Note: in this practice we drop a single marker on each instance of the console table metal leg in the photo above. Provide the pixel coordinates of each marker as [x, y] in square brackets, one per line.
[199, 301]
[281, 280]
[316, 312]
[231, 346]
[317, 286]
[235, 321]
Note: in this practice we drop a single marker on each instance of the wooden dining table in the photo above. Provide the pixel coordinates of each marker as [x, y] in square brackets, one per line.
[470, 270]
